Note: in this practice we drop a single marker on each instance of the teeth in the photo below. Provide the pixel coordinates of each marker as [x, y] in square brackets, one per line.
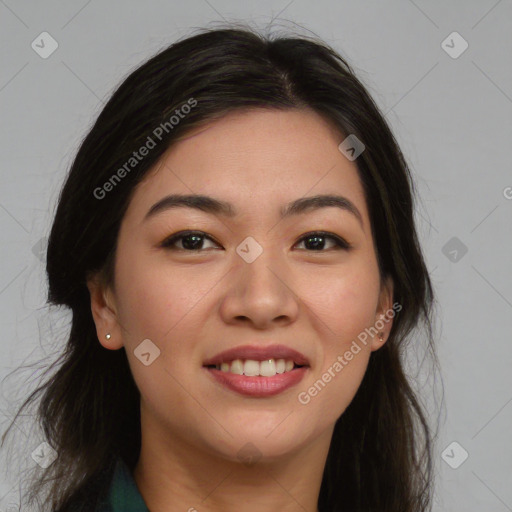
[236, 367]
[253, 368]
[280, 366]
[267, 368]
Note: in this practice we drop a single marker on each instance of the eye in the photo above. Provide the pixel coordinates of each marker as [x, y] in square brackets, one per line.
[194, 241]
[316, 241]
[191, 241]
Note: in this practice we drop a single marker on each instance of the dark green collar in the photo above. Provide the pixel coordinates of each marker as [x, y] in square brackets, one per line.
[123, 494]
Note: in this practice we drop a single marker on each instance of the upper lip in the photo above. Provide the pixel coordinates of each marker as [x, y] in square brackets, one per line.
[258, 353]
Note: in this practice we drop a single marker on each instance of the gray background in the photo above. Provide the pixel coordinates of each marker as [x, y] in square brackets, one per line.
[451, 116]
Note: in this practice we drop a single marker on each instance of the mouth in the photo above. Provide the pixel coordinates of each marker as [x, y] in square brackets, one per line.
[258, 371]
[255, 368]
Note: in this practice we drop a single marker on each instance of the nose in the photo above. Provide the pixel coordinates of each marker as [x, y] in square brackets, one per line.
[260, 293]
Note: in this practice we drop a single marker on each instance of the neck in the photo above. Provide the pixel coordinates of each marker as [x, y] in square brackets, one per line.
[176, 476]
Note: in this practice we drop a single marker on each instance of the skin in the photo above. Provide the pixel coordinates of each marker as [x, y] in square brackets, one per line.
[193, 305]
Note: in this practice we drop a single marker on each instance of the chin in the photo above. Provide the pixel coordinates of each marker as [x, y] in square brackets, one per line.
[261, 443]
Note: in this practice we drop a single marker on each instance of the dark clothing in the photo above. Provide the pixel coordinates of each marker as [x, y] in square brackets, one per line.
[123, 494]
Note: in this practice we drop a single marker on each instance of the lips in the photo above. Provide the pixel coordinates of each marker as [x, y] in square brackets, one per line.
[257, 371]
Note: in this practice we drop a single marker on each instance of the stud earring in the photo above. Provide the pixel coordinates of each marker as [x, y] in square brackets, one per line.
[381, 336]
[108, 336]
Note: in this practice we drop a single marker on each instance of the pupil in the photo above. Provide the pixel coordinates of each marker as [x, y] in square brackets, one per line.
[193, 245]
[316, 244]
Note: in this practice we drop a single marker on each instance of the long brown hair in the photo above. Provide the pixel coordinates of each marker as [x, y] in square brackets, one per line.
[380, 456]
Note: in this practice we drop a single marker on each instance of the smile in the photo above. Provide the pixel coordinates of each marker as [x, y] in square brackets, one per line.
[257, 371]
[253, 368]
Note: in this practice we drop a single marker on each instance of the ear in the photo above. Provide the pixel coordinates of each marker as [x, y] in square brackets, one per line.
[383, 319]
[104, 314]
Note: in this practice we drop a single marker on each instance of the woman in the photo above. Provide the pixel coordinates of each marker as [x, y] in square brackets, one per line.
[235, 240]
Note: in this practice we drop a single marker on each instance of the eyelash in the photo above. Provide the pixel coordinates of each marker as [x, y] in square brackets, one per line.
[341, 244]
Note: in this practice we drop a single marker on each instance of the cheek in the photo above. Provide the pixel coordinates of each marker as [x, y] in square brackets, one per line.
[156, 300]
[161, 304]
[345, 302]
[343, 308]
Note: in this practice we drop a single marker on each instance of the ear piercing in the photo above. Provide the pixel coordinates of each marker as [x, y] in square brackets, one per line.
[108, 336]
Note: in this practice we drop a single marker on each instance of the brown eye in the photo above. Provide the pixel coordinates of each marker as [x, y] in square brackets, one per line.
[316, 241]
[190, 241]
[194, 241]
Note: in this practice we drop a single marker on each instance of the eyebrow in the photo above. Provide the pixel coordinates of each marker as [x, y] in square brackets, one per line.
[219, 207]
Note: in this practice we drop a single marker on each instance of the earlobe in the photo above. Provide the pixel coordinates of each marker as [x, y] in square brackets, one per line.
[104, 315]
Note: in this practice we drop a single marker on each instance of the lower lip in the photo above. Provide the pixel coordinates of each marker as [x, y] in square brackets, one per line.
[259, 386]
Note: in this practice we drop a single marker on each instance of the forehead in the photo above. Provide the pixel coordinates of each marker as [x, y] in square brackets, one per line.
[256, 159]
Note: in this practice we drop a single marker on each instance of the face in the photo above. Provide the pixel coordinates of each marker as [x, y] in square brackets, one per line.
[262, 286]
